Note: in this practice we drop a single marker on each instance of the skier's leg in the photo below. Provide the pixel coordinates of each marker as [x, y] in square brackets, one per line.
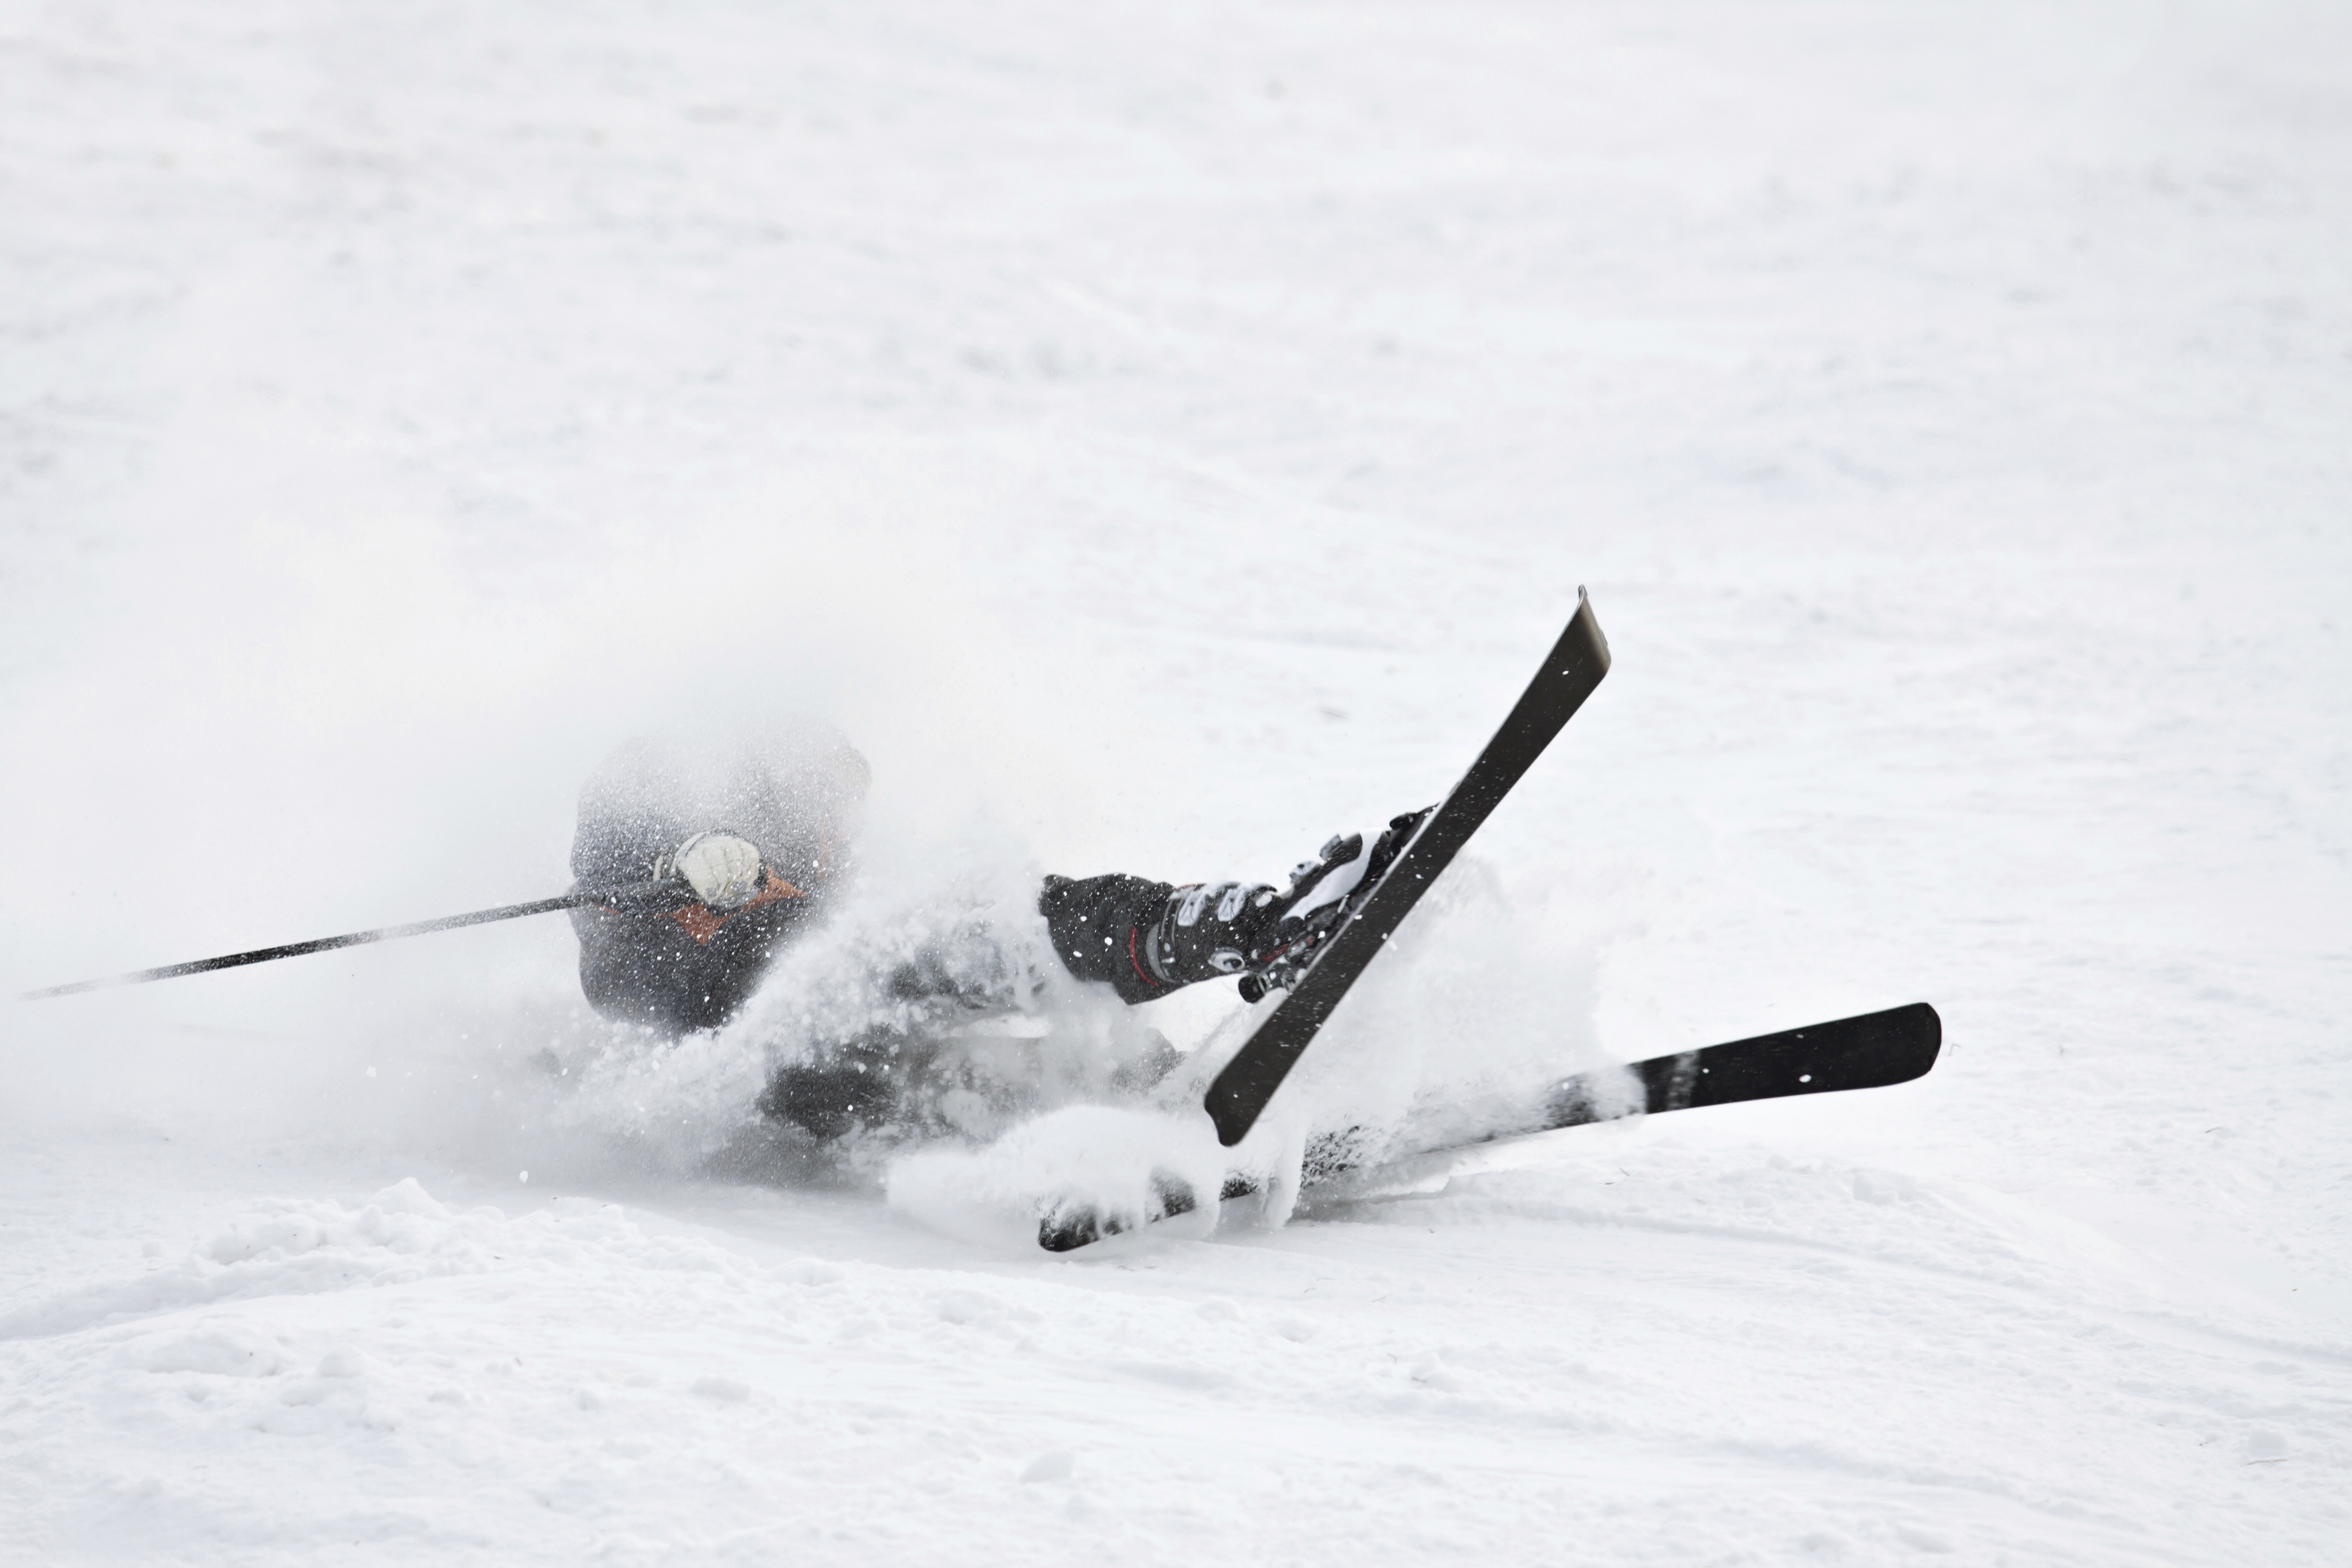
[1145, 939]
[857, 1084]
[899, 1016]
[891, 1056]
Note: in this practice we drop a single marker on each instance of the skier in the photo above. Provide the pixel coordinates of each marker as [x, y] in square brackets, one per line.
[756, 839]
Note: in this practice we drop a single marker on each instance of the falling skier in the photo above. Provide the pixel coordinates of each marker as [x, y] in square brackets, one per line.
[694, 867]
[759, 836]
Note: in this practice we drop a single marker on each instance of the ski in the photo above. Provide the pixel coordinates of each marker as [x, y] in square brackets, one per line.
[1566, 677]
[1872, 1050]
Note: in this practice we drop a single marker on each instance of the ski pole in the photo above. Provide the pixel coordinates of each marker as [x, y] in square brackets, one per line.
[633, 893]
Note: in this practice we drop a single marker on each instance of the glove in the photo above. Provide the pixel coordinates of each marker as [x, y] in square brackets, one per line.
[722, 869]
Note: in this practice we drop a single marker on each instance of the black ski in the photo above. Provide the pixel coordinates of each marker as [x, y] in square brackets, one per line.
[1870, 1051]
[1573, 669]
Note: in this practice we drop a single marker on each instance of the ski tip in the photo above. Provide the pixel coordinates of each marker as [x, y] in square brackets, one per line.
[1928, 1025]
[1598, 643]
[1900, 1044]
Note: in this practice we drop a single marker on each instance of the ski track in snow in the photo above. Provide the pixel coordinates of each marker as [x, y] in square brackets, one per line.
[1162, 437]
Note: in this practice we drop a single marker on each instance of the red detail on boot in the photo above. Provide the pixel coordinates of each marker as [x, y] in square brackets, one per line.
[1140, 972]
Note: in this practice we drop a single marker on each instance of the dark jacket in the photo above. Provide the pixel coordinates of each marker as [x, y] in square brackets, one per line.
[795, 790]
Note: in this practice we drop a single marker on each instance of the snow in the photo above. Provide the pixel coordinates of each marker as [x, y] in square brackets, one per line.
[1111, 1157]
[1162, 438]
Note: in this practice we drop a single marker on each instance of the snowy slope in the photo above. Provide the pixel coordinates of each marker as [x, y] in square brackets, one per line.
[1162, 436]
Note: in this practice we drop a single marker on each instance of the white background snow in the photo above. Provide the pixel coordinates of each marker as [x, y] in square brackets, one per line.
[1164, 435]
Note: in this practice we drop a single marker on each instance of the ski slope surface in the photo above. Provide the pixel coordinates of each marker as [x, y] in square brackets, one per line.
[1162, 436]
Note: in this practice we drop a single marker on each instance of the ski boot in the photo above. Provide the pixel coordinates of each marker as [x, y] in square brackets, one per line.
[1147, 938]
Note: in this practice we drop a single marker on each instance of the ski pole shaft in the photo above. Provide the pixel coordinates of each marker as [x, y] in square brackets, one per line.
[633, 892]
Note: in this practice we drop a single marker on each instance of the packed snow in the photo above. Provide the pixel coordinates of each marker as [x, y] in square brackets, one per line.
[1162, 436]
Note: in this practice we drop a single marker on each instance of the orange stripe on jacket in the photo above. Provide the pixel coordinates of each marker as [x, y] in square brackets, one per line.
[702, 923]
